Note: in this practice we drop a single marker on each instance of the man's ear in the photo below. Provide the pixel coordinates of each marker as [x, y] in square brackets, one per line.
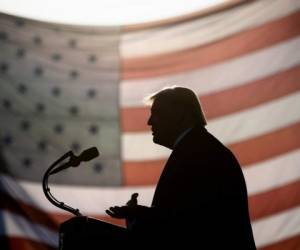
[186, 118]
[181, 116]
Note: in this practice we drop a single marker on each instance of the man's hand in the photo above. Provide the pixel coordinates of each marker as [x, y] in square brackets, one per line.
[127, 212]
[118, 212]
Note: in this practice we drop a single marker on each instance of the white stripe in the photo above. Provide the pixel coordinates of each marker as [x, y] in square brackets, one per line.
[17, 226]
[198, 32]
[90, 200]
[256, 121]
[231, 73]
[260, 177]
[276, 228]
[273, 173]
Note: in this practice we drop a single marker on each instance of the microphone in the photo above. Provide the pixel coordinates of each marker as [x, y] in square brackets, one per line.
[74, 161]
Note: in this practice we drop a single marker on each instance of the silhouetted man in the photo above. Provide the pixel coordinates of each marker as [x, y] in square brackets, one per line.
[201, 197]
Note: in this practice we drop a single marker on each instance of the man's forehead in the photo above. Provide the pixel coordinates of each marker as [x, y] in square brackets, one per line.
[160, 104]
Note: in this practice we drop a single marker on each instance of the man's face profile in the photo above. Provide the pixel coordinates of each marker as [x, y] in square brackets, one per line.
[163, 120]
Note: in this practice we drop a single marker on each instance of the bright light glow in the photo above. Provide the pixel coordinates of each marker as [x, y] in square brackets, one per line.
[103, 12]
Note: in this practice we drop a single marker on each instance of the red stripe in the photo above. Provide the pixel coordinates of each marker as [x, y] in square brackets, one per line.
[228, 101]
[292, 243]
[18, 243]
[61, 217]
[142, 172]
[275, 200]
[234, 46]
[250, 151]
[265, 147]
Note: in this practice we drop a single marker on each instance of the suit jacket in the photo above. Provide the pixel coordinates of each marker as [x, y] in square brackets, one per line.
[201, 197]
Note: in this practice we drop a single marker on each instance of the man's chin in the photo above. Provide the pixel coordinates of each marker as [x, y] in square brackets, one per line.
[162, 142]
[158, 141]
[155, 139]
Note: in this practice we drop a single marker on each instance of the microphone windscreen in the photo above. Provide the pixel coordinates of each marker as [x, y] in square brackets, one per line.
[89, 154]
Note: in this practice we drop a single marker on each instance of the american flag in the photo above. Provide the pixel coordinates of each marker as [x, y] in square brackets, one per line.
[67, 87]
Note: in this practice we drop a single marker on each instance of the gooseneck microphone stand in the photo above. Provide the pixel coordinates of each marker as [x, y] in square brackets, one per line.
[82, 232]
[51, 170]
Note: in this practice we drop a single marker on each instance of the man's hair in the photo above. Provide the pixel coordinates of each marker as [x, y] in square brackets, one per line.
[182, 97]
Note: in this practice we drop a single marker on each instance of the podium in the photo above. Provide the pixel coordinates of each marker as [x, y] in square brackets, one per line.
[83, 232]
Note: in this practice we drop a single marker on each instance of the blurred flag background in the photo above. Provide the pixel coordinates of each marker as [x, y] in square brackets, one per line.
[69, 87]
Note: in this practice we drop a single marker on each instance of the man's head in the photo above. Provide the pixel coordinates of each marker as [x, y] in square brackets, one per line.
[174, 109]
